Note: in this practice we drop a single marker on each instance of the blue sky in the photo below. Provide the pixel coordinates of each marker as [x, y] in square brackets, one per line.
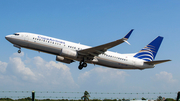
[92, 23]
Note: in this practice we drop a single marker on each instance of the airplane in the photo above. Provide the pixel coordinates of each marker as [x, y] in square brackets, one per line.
[68, 52]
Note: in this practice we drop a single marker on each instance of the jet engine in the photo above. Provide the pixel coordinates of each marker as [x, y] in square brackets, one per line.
[68, 53]
[63, 59]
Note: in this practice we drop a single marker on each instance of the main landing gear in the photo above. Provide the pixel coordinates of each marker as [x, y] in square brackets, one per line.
[82, 64]
[19, 51]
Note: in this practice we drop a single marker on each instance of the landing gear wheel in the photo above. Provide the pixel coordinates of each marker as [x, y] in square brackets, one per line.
[19, 51]
[84, 64]
[80, 67]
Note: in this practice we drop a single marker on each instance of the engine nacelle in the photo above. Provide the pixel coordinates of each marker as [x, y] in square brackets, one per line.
[68, 53]
[62, 59]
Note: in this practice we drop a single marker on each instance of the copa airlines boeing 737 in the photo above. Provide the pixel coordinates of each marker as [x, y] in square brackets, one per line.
[69, 52]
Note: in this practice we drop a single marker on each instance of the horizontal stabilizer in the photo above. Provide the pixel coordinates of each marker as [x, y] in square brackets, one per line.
[156, 62]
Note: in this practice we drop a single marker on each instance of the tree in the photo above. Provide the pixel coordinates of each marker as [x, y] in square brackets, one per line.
[143, 98]
[159, 98]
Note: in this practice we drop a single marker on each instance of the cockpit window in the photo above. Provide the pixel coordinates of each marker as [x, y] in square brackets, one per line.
[16, 34]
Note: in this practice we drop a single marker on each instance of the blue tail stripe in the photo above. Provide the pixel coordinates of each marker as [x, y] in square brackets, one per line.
[144, 53]
[146, 57]
[148, 53]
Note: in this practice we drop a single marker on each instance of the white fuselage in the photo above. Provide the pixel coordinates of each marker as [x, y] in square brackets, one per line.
[54, 46]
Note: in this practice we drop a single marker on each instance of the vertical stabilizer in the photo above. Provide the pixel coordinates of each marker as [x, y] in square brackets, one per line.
[148, 53]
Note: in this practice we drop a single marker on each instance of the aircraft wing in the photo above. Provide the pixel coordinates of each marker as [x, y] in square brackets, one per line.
[95, 51]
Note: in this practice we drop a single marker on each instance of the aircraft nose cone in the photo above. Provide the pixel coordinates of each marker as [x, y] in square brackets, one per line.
[8, 37]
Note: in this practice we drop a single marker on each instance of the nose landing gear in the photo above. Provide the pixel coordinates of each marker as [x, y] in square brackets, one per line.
[19, 51]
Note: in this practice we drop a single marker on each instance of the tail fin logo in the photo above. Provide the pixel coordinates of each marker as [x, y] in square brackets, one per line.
[148, 53]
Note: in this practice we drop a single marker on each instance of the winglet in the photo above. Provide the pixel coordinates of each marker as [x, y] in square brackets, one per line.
[128, 34]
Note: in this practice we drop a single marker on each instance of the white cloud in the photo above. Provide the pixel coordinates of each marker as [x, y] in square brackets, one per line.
[3, 66]
[103, 76]
[18, 54]
[18, 68]
[54, 73]
[37, 74]
[165, 77]
[164, 81]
